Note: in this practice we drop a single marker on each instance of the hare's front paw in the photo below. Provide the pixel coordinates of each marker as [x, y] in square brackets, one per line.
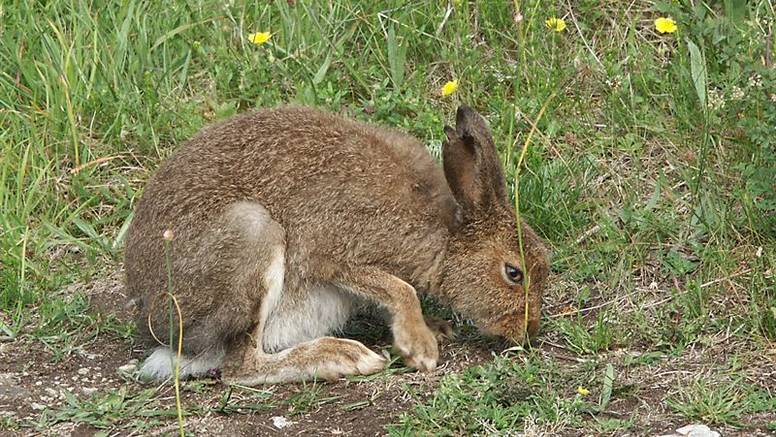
[417, 344]
[441, 327]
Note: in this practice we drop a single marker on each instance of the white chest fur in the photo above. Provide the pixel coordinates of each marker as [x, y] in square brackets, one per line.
[323, 310]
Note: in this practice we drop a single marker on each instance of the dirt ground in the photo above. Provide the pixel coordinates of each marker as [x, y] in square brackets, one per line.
[33, 385]
[30, 384]
[37, 390]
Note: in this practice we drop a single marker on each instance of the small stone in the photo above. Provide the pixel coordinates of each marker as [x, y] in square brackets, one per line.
[50, 391]
[88, 390]
[9, 389]
[38, 383]
[37, 407]
[83, 371]
[127, 368]
[281, 422]
[87, 355]
[697, 430]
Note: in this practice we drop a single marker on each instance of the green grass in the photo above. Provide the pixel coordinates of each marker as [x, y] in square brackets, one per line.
[650, 172]
[498, 397]
[103, 410]
[715, 403]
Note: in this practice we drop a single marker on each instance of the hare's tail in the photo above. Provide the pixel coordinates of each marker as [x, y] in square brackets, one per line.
[161, 365]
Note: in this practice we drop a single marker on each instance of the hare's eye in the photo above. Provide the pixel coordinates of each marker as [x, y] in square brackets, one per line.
[513, 274]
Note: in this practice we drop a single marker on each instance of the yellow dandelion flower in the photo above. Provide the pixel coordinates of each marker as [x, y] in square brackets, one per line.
[556, 24]
[665, 25]
[450, 87]
[583, 391]
[259, 38]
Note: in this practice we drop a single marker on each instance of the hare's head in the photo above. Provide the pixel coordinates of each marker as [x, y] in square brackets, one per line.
[484, 275]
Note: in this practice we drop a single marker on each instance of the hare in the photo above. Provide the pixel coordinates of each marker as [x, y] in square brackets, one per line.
[287, 219]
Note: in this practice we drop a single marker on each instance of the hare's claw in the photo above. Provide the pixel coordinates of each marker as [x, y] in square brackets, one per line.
[443, 329]
[417, 345]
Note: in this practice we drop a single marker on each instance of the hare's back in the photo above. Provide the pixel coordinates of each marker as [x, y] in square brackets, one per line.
[311, 141]
[284, 156]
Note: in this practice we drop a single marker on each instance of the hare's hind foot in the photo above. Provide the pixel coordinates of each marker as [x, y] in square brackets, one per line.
[325, 358]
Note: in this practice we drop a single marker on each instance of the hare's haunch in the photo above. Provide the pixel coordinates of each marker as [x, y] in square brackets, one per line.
[287, 219]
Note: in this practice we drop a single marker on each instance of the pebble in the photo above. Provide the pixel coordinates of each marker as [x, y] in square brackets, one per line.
[694, 430]
[127, 368]
[10, 389]
[281, 422]
[51, 392]
[37, 407]
[88, 390]
[697, 431]
[83, 371]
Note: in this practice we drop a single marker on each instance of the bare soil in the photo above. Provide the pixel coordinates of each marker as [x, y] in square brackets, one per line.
[33, 385]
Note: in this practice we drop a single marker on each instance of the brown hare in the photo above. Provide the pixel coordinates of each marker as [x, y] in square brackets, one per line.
[286, 219]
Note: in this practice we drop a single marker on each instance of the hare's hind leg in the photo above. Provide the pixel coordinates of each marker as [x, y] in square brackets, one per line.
[234, 277]
[325, 358]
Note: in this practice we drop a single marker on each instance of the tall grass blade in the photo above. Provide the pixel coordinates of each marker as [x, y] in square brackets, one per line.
[396, 56]
[698, 71]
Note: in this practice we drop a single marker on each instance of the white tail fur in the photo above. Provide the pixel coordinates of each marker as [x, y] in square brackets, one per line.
[160, 365]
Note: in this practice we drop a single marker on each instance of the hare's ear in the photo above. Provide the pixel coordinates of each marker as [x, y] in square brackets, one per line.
[459, 162]
[470, 160]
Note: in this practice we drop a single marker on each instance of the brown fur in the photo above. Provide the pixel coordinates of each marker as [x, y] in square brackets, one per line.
[353, 206]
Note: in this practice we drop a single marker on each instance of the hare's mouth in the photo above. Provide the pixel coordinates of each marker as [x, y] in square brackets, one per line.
[510, 327]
